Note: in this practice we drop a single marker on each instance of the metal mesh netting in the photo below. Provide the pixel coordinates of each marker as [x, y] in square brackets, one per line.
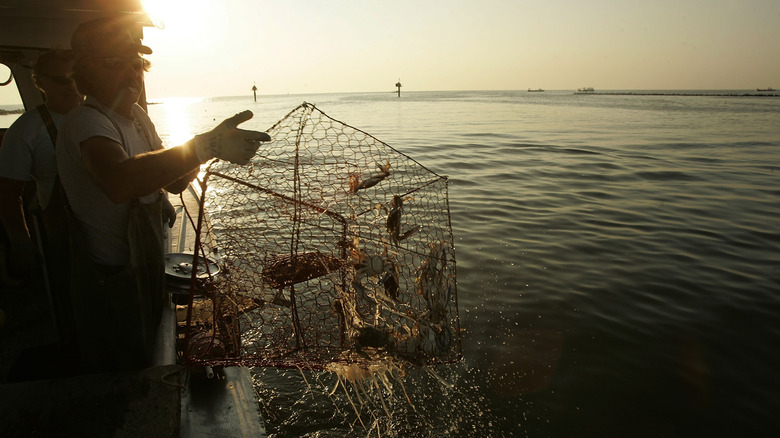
[333, 247]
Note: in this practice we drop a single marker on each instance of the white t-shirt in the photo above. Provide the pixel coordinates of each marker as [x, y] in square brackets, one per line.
[28, 154]
[103, 222]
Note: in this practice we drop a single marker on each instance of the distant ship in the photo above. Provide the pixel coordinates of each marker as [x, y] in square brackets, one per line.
[538, 90]
[765, 89]
[585, 90]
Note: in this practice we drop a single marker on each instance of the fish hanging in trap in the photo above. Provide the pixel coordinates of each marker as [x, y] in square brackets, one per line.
[334, 248]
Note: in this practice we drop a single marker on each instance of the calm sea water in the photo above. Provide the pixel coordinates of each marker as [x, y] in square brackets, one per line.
[618, 264]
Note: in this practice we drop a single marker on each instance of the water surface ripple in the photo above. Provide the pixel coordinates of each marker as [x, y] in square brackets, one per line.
[618, 258]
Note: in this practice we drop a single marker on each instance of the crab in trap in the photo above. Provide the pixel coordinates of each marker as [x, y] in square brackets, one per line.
[378, 268]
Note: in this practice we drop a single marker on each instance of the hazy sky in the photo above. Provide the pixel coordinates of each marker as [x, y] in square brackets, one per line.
[220, 48]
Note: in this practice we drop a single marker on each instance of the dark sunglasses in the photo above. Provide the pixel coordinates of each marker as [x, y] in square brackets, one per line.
[59, 80]
[118, 63]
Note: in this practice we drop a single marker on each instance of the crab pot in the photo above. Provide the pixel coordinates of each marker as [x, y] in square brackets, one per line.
[335, 247]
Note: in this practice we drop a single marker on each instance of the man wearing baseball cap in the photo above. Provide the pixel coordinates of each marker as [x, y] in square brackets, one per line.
[113, 169]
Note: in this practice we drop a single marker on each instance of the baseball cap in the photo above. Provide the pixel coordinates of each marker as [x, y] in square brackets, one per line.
[105, 36]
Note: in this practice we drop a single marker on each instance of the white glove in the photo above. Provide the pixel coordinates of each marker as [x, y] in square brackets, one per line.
[229, 143]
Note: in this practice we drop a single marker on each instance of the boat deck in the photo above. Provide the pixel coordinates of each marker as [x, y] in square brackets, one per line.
[164, 401]
[130, 404]
[27, 334]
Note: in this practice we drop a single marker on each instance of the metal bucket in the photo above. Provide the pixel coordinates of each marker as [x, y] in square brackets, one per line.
[179, 273]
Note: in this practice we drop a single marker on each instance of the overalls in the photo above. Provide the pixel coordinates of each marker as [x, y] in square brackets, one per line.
[52, 226]
[118, 309]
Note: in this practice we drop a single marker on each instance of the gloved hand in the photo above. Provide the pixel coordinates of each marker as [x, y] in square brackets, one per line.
[229, 143]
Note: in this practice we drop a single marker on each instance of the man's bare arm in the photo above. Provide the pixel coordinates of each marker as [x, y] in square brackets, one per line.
[124, 178]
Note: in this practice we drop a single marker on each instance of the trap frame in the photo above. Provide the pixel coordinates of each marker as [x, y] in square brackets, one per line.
[333, 247]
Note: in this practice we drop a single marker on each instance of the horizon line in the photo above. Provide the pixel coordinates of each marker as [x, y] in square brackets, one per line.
[573, 90]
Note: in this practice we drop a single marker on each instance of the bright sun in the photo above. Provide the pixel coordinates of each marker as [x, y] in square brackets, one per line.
[181, 25]
[176, 14]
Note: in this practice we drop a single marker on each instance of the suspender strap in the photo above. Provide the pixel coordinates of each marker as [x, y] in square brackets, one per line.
[143, 128]
[49, 122]
[58, 196]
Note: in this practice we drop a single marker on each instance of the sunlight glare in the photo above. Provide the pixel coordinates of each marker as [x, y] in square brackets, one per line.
[177, 121]
[176, 14]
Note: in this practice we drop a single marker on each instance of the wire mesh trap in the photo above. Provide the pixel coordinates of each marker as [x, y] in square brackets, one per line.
[333, 247]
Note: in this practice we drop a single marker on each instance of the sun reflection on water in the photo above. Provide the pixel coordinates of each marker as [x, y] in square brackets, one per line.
[177, 120]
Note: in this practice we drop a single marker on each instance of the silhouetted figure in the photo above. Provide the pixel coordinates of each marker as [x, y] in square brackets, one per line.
[113, 167]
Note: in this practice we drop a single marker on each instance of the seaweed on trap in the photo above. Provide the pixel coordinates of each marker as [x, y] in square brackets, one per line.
[334, 248]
